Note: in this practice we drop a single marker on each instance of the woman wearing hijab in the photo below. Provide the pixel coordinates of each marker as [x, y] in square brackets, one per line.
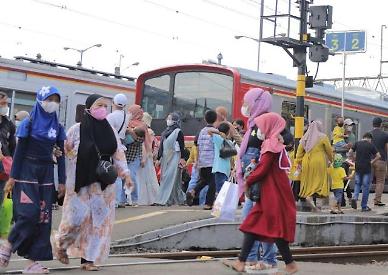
[32, 179]
[256, 103]
[312, 158]
[273, 218]
[138, 150]
[88, 210]
[171, 158]
[146, 176]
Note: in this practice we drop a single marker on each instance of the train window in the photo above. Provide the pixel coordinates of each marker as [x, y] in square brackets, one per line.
[196, 92]
[288, 113]
[157, 97]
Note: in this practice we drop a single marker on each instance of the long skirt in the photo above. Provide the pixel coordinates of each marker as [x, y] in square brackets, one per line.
[87, 222]
[32, 199]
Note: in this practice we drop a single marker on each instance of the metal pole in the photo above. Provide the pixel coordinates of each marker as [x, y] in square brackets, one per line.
[300, 54]
[82, 53]
[343, 83]
[260, 34]
[381, 46]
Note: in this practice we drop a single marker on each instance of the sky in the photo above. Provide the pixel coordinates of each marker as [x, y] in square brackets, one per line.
[159, 33]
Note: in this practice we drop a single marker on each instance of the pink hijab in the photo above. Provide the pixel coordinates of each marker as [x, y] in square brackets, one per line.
[259, 102]
[312, 136]
[136, 121]
[271, 125]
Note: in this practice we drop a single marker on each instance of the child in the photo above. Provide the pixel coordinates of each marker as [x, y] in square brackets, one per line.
[205, 162]
[339, 135]
[366, 155]
[337, 175]
[221, 166]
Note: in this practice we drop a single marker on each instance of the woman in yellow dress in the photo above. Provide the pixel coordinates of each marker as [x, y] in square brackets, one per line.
[312, 157]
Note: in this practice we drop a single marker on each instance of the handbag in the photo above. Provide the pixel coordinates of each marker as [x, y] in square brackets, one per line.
[227, 149]
[5, 167]
[105, 171]
[254, 192]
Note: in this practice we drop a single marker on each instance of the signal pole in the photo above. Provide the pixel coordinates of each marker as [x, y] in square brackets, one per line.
[300, 54]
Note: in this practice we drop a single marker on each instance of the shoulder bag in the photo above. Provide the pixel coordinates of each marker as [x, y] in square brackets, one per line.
[105, 171]
[227, 149]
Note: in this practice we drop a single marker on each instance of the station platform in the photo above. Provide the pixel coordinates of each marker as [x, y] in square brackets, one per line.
[138, 266]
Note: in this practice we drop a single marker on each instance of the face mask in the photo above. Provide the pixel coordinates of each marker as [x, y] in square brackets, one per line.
[340, 124]
[50, 106]
[349, 128]
[4, 111]
[245, 111]
[260, 135]
[169, 122]
[99, 113]
[17, 123]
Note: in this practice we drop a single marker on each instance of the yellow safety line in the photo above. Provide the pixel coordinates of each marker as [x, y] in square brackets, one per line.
[152, 214]
[140, 217]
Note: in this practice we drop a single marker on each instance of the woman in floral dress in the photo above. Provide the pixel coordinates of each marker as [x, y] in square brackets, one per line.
[89, 206]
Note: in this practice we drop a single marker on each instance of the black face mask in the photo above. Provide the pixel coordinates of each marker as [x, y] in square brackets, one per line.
[340, 124]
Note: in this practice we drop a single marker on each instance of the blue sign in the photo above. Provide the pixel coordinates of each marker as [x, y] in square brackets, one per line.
[350, 41]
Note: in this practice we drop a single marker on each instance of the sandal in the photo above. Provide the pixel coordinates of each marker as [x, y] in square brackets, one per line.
[261, 266]
[89, 267]
[207, 207]
[231, 265]
[5, 253]
[36, 268]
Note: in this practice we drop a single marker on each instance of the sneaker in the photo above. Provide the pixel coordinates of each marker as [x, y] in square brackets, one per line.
[121, 205]
[379, 203]
[366, 209]
[353, 204]
[189, 198]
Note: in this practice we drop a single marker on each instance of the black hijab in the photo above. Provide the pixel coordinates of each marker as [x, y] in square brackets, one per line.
[93, 133]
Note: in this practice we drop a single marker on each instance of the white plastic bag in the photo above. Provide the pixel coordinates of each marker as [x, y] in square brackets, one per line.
[226, 202]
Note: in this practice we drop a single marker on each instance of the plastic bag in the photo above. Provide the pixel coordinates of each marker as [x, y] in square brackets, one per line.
[6, 213]
[226, 202]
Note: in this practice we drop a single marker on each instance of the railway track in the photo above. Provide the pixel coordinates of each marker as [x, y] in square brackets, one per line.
[335, 254]
[351, 253]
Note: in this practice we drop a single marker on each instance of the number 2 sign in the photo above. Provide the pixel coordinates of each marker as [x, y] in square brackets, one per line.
[348, 41]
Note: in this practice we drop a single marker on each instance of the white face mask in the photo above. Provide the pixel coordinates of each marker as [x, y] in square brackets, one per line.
[245, 111]
[17, 123]
[169, 122]
[349, 128]
[4, 111]
[260, 135]
[50, 106]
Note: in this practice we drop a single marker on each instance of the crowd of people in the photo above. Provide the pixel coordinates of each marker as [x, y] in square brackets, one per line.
[114, 160]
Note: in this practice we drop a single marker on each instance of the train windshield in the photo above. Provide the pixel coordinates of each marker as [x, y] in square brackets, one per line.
[190, 93]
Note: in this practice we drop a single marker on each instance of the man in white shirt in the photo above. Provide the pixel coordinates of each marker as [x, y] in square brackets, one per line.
[119, 119]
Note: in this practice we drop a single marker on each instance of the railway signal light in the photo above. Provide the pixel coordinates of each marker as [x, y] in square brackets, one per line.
[320, 19]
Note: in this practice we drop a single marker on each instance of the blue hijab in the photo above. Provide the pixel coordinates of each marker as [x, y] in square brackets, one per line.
[42, 125]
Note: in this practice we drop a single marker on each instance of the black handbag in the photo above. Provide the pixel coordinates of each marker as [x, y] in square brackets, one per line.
[227, 149]
[105, 171]
[254, 192]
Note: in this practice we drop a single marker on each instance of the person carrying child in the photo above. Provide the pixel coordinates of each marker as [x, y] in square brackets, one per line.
[221, 166]
[337, 175]
[339, 136]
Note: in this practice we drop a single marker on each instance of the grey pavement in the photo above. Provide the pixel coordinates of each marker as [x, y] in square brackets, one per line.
[216, 267]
